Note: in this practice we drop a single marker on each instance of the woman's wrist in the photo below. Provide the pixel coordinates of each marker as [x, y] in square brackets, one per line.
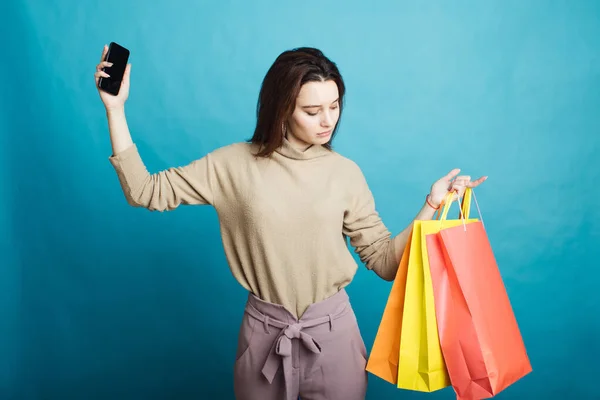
[432, 203]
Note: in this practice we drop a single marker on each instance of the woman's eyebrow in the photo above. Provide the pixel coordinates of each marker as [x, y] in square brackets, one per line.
[315, 106]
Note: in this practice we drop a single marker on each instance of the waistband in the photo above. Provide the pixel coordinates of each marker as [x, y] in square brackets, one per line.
[315, 310]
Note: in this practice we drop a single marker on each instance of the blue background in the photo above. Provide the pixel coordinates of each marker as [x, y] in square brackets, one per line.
[99, 300]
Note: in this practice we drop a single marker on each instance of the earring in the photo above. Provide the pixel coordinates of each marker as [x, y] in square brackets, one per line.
[284, 129]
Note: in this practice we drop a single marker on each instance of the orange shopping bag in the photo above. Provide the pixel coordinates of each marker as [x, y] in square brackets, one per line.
[384, 355]
[480, 339]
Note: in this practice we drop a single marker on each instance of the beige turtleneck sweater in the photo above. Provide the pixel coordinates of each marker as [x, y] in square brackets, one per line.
[284, 220]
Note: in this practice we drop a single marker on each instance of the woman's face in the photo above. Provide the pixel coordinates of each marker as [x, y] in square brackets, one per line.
[315, 116]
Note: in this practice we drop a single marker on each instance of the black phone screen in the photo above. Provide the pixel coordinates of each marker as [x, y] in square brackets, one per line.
[119, 56]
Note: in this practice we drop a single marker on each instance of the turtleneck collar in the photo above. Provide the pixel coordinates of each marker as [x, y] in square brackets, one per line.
[289, 151]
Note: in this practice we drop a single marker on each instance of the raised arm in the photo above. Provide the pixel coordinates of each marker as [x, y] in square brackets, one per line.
[162, 191]
[167, 189]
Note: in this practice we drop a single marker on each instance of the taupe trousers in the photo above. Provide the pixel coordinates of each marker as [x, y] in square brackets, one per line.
[321, 356]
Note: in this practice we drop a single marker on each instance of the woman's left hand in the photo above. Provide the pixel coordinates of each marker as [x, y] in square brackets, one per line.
[452, 183]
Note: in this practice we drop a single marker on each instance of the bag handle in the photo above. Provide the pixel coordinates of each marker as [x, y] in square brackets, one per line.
[466, 203]
[465, 208]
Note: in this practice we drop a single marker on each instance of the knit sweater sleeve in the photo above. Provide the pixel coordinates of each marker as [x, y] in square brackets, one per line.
[368, 235]
[167, 189]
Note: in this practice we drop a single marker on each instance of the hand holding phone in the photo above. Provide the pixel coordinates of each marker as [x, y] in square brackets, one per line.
[112, 75]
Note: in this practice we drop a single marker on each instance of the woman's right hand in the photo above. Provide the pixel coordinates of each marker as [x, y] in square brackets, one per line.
[112, 102]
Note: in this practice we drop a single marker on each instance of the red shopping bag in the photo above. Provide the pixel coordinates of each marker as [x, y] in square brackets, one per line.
[480, 339]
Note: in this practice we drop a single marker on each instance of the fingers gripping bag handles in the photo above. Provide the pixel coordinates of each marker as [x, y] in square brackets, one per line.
[421, 365]
[479, 336]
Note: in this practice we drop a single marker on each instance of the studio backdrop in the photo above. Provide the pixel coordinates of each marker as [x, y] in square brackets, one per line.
[101, 300]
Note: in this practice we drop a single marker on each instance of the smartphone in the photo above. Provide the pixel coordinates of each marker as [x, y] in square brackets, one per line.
[119, 56]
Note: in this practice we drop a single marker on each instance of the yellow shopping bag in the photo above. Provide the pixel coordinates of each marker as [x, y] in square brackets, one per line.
[421, 365]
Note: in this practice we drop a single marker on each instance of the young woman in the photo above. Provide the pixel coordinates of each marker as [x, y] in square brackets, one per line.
[286, 204]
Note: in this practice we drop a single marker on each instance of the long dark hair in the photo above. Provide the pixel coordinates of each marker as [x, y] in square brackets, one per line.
[280, 87]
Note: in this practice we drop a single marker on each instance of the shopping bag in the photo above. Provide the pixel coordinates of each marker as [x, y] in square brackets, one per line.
[383, 358]
[421, 365]
[384, 355]
[479, 336]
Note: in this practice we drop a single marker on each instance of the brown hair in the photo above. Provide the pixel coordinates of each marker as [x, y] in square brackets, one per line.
[280, 88]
